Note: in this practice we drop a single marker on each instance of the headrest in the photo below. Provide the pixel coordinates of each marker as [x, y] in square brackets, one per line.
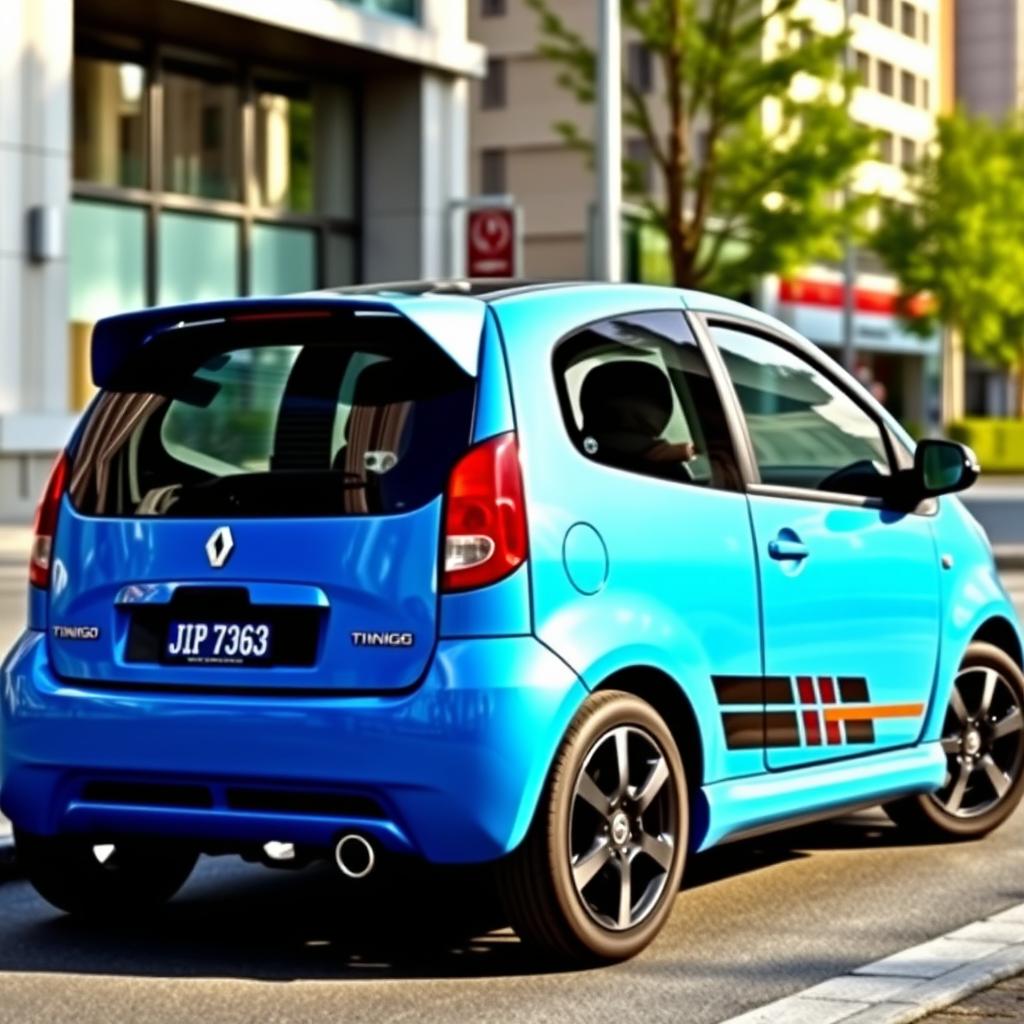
[388, 382]
[626, 396]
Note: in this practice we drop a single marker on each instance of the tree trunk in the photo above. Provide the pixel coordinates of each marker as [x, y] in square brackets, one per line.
[1020, 390]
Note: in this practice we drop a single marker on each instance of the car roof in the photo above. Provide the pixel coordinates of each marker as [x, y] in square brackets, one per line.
[496, 290]
[476, 288]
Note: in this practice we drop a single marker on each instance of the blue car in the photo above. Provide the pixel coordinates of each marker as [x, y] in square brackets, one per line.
[568, 580]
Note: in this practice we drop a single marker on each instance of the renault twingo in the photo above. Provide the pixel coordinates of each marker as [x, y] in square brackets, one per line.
[570, 580]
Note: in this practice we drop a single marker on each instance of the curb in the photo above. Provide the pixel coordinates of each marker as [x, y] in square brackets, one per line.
[911, 984]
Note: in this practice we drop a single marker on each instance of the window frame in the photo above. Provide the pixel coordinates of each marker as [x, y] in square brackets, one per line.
[494, 86]
[738, 442]
[639, 67]
[245, 210]
[493, 164]
[900, 457]
[908, 19]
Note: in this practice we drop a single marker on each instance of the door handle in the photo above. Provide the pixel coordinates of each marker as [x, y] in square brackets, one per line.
[788, 549]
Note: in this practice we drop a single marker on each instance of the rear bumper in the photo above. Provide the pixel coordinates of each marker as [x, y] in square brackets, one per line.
[451, 772]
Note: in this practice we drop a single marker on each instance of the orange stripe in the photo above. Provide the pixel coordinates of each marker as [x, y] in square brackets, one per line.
[843, 714]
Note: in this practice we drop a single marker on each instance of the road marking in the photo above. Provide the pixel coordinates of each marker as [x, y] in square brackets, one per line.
[910, 984]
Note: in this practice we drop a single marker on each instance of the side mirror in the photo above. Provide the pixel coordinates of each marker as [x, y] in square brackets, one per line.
[943, 467]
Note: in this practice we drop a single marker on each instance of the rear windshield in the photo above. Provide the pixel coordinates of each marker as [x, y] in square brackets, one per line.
[345, 417]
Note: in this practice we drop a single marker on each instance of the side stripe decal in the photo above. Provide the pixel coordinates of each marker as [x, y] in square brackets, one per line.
[783, 711]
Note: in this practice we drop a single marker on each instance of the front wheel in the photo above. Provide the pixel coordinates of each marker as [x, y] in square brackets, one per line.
[82, 877]
[983, 739]
[598, 872]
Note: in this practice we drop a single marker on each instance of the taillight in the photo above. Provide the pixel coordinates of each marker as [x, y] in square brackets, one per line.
[485, 518]
[46, 523]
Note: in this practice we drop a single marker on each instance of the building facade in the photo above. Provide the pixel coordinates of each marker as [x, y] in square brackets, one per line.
[990, 81]
[176, 150]
[903, 53]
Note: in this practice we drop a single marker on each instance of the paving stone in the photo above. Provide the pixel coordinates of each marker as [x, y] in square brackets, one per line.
[991, 931]
[931, 959]
[862, 988]
[800, 1010]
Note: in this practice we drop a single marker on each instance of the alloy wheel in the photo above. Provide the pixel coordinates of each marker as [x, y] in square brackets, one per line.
[623, 828]
[983, 739]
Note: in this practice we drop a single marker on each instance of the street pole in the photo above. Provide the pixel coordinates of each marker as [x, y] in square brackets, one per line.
[849, 252]
[608, 262]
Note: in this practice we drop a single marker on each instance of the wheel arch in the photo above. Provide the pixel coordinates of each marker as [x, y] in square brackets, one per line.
[999, 632]
[669, 699]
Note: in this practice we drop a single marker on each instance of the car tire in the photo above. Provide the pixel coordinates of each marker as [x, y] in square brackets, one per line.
[80, 877]
[632, 825]
[983, 738]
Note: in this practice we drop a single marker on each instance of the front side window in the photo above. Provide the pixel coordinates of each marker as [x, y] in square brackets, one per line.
[806, 431]
[636, 394]
[276, 422]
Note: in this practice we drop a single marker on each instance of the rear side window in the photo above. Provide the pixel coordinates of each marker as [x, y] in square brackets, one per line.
[636, 394]
[276, 420]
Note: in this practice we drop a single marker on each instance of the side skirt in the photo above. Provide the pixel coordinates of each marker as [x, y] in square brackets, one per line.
[738, 808]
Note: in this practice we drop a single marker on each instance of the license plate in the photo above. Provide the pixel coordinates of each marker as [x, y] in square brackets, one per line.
[219, 643]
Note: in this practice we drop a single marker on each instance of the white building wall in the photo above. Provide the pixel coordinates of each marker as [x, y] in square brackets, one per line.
[35, 65]
[414, 137]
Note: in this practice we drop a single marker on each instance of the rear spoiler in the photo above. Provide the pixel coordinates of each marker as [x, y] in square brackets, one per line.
[453, 323]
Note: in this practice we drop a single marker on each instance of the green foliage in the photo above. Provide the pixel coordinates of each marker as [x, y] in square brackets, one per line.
[962, 240]
[998, 443]
[776, 154]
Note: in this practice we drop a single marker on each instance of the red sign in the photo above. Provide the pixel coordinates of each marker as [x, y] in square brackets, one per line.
[866, 300]
[491, 242]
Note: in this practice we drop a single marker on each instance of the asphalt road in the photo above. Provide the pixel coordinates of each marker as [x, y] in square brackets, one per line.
[755, 921]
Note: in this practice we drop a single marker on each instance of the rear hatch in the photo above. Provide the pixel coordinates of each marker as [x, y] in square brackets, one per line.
[255, 500]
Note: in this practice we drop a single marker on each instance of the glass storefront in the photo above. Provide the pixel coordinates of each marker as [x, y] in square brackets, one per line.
[202, 138]
[283, 259]
[110, 122]
[198, 258]
[399, 8]
[284, 149]
[248, 187]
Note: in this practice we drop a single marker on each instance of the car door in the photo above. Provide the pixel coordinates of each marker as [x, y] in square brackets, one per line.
[849, 586]
[641, 552]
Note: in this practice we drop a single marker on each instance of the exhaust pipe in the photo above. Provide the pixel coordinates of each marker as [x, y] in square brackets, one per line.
[354, 855]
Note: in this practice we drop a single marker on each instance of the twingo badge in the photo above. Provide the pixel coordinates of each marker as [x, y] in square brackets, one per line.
[76, 632]
[361, 639]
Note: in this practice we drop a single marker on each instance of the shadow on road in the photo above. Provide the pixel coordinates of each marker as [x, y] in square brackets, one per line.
[239, 921]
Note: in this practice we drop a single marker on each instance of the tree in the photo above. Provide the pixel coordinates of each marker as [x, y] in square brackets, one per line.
[961, 239]
[768, 99]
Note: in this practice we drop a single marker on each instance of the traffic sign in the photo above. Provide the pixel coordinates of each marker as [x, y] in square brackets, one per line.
[491, 242]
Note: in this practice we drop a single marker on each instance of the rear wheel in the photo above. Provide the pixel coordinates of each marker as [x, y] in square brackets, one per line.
[983, 739]
[81, 877]
[597, 875]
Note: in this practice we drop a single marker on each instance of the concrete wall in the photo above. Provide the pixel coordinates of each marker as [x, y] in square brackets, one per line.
[35, 64]
[988, 55]
[414, 164]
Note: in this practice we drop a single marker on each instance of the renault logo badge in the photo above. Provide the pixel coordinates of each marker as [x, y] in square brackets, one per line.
[219, 547]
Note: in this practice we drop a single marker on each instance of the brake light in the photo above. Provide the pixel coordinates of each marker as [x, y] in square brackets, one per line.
[485, 517]
[46, 523]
